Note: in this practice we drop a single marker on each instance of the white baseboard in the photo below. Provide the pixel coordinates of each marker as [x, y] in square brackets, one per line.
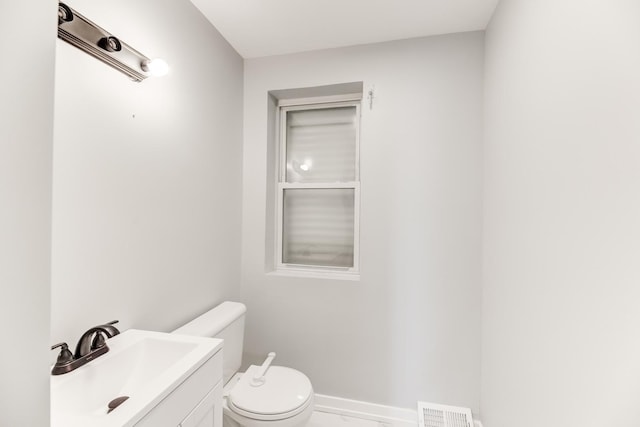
[396, 417]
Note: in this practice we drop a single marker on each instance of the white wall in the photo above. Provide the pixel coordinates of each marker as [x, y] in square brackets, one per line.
[146, 209]
[26, 134]
[561, 345]
[410, 329]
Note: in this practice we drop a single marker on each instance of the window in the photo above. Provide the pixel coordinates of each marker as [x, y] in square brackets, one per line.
[318, 186]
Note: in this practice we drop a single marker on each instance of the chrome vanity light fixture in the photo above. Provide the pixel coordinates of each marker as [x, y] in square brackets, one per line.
[90, 38]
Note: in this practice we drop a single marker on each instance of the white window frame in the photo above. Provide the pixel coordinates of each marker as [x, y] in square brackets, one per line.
[284, 106]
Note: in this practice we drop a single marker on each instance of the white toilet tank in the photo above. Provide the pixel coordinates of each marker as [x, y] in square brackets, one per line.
[225, 321]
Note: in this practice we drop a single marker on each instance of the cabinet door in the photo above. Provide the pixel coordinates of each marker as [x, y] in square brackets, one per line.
[180, 403]
[208, 413]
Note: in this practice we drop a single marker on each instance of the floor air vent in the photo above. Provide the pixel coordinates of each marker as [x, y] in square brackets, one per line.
[433, 415]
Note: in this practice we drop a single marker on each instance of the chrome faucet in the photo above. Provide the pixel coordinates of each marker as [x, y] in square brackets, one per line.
[90, 345]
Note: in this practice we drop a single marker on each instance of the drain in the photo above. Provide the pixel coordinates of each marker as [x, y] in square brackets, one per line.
[116, 402]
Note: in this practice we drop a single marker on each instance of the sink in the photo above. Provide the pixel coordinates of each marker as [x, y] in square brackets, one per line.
[143, 365]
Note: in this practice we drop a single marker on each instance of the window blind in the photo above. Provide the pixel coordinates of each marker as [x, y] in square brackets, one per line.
[318, 227]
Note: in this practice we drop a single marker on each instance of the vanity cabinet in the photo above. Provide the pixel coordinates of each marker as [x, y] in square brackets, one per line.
[197, 402]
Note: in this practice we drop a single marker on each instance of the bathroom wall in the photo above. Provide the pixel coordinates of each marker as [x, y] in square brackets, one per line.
[561, 215]
[146, 187]
[26, 134]
[410, 328]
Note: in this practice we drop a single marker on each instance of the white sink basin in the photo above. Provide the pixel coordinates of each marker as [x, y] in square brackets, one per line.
[144, 365]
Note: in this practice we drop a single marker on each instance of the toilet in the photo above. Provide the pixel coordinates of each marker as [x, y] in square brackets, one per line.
[264, 395]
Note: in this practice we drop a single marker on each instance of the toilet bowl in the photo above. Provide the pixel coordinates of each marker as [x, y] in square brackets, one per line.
[264, 395]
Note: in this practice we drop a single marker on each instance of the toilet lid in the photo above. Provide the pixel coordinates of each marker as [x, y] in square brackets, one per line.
[283, 393]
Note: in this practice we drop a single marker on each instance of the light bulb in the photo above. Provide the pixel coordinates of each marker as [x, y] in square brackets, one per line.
[156, 67]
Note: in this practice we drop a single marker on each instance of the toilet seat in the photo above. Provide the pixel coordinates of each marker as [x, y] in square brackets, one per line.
[280, 394]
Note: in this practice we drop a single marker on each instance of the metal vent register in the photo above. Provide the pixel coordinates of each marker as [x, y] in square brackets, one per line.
[433, 415]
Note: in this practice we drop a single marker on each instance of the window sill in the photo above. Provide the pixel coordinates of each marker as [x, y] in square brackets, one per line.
[316, 274]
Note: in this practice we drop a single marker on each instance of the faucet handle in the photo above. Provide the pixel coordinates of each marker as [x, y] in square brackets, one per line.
[98, 340]
[112, 330]
[65, 355]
